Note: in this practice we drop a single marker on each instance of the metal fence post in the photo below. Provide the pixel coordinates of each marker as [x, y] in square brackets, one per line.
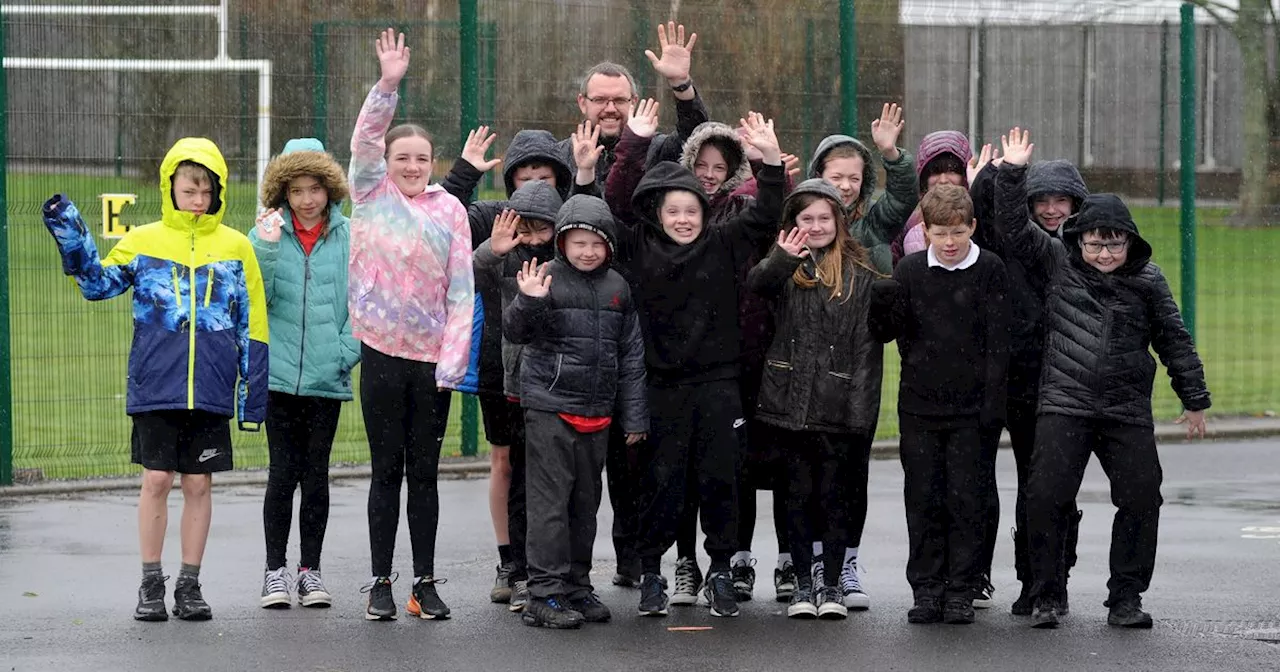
[1187, 227]
[1164, 111]
[848, 68]
[6, 380]
[469, 91]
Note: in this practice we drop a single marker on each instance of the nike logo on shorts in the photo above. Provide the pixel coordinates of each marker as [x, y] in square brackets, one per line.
[208, 455]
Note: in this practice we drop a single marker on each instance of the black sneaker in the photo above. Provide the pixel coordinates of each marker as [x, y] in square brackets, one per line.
[311, 590]
[382, 605]
[784, 581]
[958, 611]
[983, 593]
[188, 603]
[720, 595]
[653, 595]
[1128, 613]
[1044, 615]
[151, 600]
[424, 602]
[591, 608]
[831, 604]
[501, 593]
[926, 610]
[519, 596]
[744, 579]
[688, 582]
[550, 612]
[1024, 604]
[802, 605]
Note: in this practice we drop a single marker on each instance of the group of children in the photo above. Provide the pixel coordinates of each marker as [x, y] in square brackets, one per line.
[672, 309]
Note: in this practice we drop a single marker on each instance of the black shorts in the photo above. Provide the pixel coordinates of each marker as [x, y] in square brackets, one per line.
[188, 442]
[502, 419]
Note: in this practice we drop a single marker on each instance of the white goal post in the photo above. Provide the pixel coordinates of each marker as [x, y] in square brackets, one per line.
[219, 63]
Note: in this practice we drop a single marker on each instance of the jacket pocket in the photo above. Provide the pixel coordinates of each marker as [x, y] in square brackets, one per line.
[775, 387]
[832, 400]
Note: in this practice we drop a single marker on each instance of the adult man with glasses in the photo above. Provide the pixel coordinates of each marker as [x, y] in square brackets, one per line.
[608, 91]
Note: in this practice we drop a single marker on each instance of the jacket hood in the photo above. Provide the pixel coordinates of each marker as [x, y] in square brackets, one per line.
[868, 168]
[536, 200]
[666, 176]
[536, 147]
[725, 139]
[816, 186]
[1106, 211]
[302, 157]
[588, 213]
[1055, 177]
[937, 144]
[205, 153]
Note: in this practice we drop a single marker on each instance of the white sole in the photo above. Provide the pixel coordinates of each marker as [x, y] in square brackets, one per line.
[651, 614]
[833, 612]
[802, 611]
[857, 602]
[276, 601]
[683, 600]
[316, 600]
[983, 604]
[370, 617]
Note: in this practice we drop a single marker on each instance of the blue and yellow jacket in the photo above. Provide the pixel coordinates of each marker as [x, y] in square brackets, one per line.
[199, 311]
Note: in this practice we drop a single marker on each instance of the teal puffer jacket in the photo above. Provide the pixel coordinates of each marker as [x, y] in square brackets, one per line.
[313, 351]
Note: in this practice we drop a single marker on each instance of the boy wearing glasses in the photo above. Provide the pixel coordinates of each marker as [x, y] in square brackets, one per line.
[1106, 305]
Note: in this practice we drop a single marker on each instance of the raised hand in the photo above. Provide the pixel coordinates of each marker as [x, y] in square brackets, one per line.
[792, 163]
[1017, 147]
[393, 59]
[977, 162]
[586, 146]
[268, 225]
[1194, 420]
[885, 131]
[676, 53]
[793, 242]
[533, 279]
[505, 237]
[759, 134]
[479, 141]
[644, 118]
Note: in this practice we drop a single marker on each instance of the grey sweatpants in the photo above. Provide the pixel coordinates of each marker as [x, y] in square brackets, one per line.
[563, 485]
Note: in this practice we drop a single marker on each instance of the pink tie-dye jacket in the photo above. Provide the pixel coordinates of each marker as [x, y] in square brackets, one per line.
[410, 290]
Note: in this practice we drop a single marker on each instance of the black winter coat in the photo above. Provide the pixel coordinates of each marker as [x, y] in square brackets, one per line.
[1100, 326]
[584, 353]
[823, 371]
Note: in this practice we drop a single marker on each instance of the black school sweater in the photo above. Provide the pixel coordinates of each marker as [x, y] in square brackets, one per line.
[952, 329]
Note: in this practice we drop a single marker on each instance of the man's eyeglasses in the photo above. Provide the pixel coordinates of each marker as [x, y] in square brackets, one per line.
[1113, 246]
[604, 102]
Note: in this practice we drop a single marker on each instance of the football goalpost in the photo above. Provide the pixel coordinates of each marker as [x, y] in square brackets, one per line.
[219, 63]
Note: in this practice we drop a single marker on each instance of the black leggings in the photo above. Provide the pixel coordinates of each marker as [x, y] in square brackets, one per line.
[300, 434]
[824, 473]
[405, 417]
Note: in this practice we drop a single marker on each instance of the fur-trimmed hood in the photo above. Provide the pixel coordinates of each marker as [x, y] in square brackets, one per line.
[302, 157]
[724, 138]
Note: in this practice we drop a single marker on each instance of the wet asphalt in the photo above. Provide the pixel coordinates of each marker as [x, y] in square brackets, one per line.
[69, 573]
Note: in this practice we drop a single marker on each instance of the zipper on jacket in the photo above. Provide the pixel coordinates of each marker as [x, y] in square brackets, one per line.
[208, 288]
[832, 361]
[302, 342]
[559, 362]
[191, 326]
[177, 287]
[779, 364]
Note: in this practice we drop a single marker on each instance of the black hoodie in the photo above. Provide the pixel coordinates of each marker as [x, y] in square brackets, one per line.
[583, 351]
[1099, 327]
[688, 294]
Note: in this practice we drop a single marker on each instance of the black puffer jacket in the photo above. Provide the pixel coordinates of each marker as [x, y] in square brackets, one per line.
[1099, 327]
[583, 353]
[823, 371]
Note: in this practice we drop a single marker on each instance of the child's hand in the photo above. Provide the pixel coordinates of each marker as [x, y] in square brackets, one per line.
[793, 242]
[644, 118]
[505, 237]
[885, 130]
[393, 59]
[759, 134]
[1017, 147]
[753, 154]
[586, 146]
[792, 163]
[478, 143]
[533, 279]
[977, 162]
[268, 225]
[677, 54]
[634, 438]
[1194, 420]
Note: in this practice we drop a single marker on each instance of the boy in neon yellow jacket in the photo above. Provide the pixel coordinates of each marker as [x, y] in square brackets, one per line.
[199, 323]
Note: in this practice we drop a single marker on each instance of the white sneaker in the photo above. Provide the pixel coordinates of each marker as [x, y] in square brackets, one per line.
[275, 589]
[311, 592]
[688, 582]
[851, 586]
